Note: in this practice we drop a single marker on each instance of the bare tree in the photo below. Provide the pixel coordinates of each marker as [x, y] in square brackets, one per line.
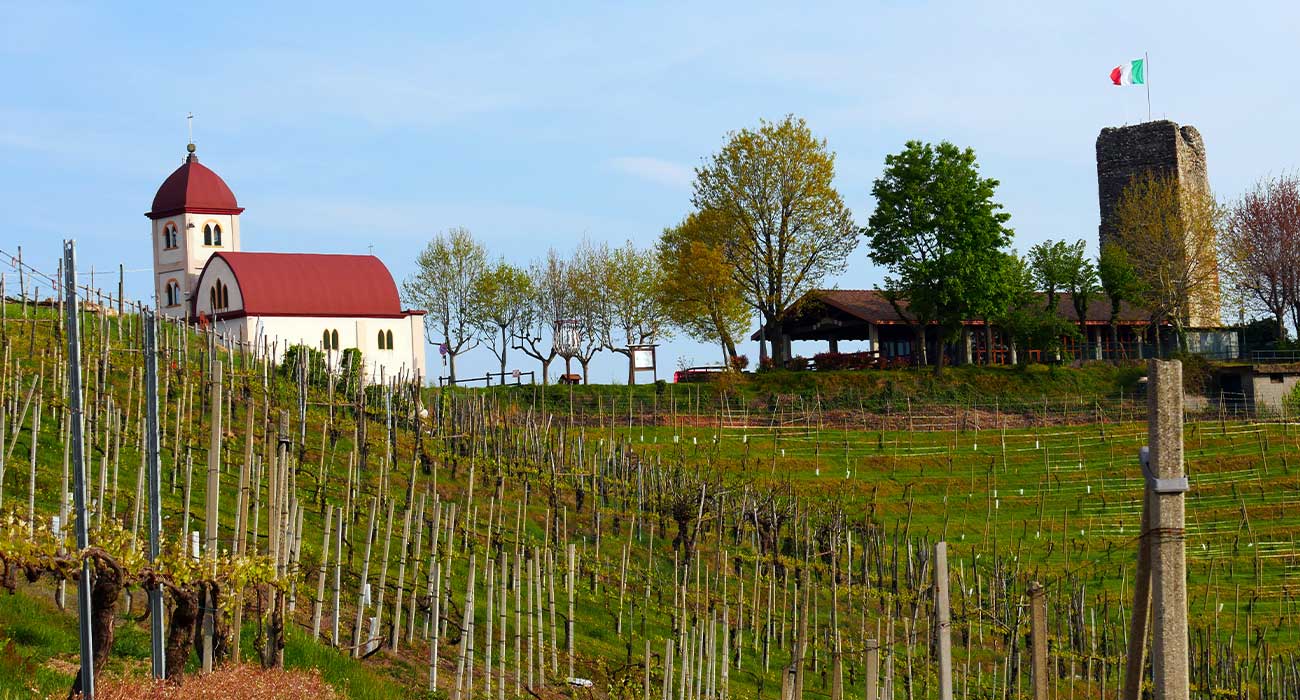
[548, 304]
[593, 310]
[1260, 250]
[445, 284]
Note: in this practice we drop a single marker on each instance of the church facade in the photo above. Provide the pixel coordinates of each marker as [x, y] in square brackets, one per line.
[273, 300]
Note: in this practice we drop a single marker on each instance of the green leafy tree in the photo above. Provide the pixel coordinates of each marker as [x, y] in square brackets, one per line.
[445, 284]
[504, 292]
[633, 315]
[1081, 284]
[697, 290]
[1027, 323]
[1050, 265]
[940, 235]
[789, 229]
[1058, 266]
[1119, 283]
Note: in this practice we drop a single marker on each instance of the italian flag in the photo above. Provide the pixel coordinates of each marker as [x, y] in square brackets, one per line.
[1132, 73]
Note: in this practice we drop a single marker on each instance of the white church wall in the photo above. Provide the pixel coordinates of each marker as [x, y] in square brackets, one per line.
[361, 333]
[169, 264]
[219, 271]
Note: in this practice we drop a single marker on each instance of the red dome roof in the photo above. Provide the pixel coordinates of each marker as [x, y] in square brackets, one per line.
[193, 188]
[301, 284]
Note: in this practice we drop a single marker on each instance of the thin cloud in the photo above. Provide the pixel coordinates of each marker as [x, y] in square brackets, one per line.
[656, 170]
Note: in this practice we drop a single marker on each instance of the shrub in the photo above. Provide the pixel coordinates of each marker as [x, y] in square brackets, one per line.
[739, 363]
[844, 360]
[294, 354]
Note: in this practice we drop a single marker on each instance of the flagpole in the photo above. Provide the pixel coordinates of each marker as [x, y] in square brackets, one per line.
[1146, 79]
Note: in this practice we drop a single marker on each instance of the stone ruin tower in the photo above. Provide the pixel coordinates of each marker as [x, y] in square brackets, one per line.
[1163, 148]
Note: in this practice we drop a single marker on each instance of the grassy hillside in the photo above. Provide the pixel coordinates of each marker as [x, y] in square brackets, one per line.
[684, 520]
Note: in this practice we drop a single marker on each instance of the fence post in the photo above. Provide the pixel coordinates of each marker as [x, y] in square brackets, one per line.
[1038, 639]
[873, 669]
[1165, 477]
[942, 619]
[154, 468]
[87, 675]
[211, 512]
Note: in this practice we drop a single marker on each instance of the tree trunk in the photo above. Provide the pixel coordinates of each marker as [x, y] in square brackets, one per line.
[631, 370]
[584, 363]
[1114, 339]
[779, 356]
[505, 346]
[941, 345]
[104, 594]
[546, 370]
[180, 630]
[451, 366]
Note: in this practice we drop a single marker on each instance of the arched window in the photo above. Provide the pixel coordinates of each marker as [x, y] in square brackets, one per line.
[216, 234]
[381, 340]
[169, 236]
[212, 298]
[172, 294]
[334, 339]
[207, 234]
[388, 336]
[225, 295]
[325, 340]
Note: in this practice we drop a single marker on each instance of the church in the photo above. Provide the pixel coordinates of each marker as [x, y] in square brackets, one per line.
[266, 300]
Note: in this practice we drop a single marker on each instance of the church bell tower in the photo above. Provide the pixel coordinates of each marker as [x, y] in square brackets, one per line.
[194, 215]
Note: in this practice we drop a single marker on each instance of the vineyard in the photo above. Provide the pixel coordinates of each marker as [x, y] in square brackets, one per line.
[660, 542]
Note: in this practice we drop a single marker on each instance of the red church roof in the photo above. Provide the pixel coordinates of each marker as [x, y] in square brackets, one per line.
[302, 284]
[193, 187]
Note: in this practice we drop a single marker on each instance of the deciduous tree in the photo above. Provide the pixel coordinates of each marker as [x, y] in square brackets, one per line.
[1260, 250]
[1119, 282]
[549, 304]
[940, 235]
[1171, 235]
[789, 227]
[593, 312]
[445, 284]
[634, 316]
[504, 292]
[697, 290]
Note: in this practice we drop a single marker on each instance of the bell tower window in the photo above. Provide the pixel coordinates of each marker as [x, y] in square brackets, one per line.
[212, 234]
[172, 294]
[169, 237]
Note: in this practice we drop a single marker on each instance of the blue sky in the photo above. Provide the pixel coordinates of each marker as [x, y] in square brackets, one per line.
[342, 125]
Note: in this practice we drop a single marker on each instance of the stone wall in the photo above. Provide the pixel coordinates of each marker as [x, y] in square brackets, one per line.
[1160, 147]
